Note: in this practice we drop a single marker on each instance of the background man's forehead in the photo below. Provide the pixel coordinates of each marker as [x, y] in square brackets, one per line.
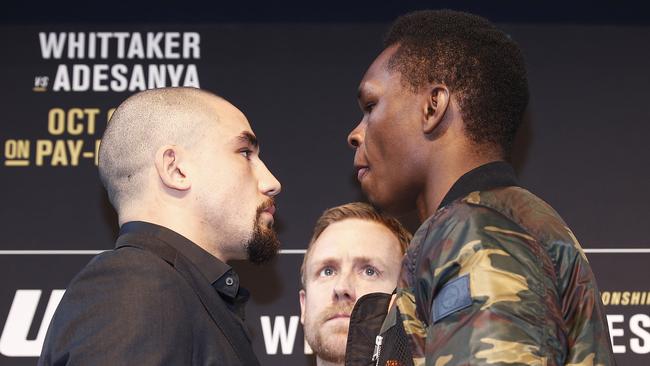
[345, 252]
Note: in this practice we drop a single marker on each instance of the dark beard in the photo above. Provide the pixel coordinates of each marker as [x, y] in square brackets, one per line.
[264, 244]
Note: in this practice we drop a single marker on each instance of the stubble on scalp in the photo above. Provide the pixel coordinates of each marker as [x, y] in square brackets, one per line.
[143, 123]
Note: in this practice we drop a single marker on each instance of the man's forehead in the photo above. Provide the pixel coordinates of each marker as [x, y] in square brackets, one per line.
[343, 256]
[232, 124]
[352, 239]
[382, 60]
[229, 112]
[377, 72]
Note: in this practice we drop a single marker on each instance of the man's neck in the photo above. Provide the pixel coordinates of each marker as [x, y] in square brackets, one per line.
[442, 176]
[186, 227]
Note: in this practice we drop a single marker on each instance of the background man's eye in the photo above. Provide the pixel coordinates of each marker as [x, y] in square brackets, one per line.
[327, 272]
[370, 271]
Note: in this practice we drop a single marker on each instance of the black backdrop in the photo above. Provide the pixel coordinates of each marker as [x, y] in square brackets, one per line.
[583, 149]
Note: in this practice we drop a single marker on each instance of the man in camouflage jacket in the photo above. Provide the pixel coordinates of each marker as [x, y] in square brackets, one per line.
[493, 276]
[503, 281]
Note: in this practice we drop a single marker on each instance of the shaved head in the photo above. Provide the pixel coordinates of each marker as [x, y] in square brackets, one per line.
[145, 122]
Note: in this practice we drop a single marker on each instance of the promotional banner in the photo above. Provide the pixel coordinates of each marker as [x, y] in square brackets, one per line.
[583, 148]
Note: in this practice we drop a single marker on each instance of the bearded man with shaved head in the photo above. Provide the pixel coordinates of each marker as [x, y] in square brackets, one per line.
[182, 169]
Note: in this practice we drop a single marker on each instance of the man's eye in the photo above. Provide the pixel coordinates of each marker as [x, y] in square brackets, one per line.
[327, 271]
[368, 107]
[246, 153]
[370, 271]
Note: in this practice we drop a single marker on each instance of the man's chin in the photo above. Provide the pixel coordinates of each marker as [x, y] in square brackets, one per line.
[263, 246]
[332, 348]
[336, 326]
[379, 202]
[265, 222]
[390, 204]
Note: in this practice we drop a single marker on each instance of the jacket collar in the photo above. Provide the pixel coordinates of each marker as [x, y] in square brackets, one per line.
[485, 177]
[233, 329]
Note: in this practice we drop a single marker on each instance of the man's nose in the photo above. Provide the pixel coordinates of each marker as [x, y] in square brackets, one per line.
[344, 288]
[268, 184]
[355, 138]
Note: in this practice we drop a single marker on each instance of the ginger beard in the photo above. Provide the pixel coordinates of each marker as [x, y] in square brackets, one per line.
[263, 244]
[327, 337]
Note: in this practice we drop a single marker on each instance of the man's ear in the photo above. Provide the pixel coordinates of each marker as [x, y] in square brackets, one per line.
[302, 306]
[436, 107]
[171, 167]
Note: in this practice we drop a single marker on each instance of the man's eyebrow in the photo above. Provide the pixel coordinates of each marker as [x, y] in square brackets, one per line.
[248, 138]
[358, 261]
[360, 93]
[325, 262]
[365, 91]
[362, 260]
[328, 260]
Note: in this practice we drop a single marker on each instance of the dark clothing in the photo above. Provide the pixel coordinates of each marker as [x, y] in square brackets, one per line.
[222, 277]
[485, 177]
[366, 321]
[156, 299]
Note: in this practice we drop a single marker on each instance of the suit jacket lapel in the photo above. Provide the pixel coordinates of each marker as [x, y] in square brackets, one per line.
[235, 332]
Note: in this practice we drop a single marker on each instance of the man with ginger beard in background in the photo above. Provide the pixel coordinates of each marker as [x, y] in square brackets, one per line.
[181, 167]
[354, 250]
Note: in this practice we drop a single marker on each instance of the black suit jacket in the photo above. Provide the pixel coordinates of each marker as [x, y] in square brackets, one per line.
[144, 303]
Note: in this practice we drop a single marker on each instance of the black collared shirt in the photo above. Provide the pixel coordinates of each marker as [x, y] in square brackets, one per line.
[222, 277]
[483, 178]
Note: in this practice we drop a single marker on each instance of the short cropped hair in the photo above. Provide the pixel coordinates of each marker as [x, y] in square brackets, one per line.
[355, 210]
[141, 125]
[481, 65]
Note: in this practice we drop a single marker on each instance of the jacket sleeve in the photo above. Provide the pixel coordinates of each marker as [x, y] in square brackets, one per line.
[487, 294]
[124, 308]
[584, 315]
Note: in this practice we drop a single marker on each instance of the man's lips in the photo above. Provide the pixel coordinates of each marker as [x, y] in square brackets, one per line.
[360, 165]
[270, 209]
[339, 316]
[361, 171]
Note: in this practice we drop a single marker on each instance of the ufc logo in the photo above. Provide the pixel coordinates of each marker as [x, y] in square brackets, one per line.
[13, 341]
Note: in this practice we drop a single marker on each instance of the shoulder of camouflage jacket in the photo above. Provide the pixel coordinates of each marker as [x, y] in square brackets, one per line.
[521, 258]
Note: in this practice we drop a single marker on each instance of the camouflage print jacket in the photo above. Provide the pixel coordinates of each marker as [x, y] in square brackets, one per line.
[495, 277]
